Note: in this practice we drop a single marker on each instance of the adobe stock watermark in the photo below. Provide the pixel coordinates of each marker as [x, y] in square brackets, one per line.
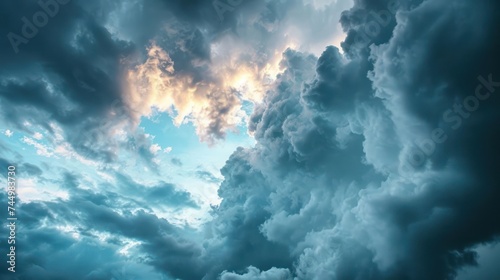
[30, 28]
[379, 20]
[223, 6]
[455, 116]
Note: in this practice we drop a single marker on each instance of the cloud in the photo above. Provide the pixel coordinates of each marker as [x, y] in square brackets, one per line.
[486, 268]
[155, 148]
[202, 76]
[100, 65]
[160, 194]
[334, 136]
[40, 148]
[38, 136]
[4, 163]
[176, 161]
[31, 169]
[328, 191]
[207, 176]
[80, 63]
[255, 274]
[89, 223]
[213, 110]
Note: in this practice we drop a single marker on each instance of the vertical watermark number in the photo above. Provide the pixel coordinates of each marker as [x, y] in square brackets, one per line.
[11, 218]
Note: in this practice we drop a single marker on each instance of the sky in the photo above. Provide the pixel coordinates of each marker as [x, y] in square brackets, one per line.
[251, 140]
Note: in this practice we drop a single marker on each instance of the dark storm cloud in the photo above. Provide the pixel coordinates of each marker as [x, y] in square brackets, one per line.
[67, 73]
[236, 222]
[345, 199]
[487, 264]
[437, 79]
[300, 155]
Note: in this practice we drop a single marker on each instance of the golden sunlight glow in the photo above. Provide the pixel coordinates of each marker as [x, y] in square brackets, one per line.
[155, 85]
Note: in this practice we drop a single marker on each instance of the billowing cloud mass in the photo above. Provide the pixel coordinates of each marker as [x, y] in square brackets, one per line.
[375, 127]
[155, 85]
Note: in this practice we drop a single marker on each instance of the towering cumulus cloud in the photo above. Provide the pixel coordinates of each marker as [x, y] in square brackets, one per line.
[380, 163]
[371, 159]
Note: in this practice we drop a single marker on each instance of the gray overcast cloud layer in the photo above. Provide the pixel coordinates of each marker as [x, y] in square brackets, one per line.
[377, 162]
